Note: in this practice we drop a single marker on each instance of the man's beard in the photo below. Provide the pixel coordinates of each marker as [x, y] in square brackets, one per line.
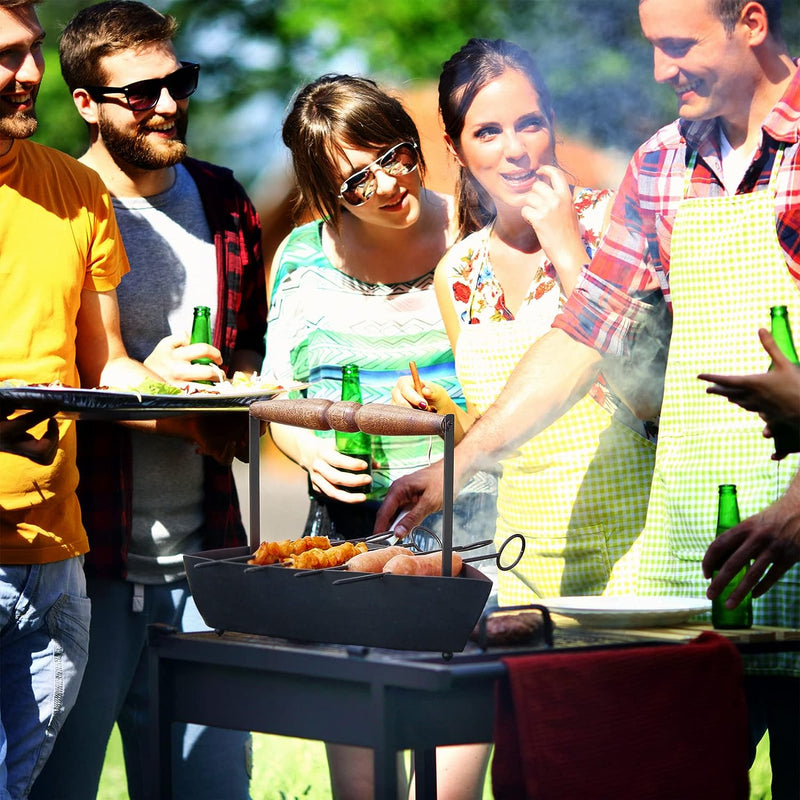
[17, 125]
[137, 150]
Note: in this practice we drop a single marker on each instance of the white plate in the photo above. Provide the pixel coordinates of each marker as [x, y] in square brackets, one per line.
[627, 611]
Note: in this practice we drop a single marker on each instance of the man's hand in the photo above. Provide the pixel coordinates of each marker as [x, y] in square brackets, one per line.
[773, 395]
[419, 494]
[15, 437]
[770, 540]
[172, 359]
[221, 435]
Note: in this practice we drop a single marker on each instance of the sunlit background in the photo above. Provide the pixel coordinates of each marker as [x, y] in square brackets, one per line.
[256, 53]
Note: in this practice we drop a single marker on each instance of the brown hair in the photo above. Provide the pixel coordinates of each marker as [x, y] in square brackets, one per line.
[329, 114]
[104, 29]
[729, 12]
[476, 64]
[18, 3]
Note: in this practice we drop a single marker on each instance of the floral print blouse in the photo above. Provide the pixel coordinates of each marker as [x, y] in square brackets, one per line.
[476, 293]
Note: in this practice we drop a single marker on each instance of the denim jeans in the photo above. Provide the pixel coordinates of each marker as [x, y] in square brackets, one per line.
[44, 638]
[208, 763]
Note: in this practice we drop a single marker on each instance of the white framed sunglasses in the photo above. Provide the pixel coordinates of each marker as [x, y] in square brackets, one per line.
[398, 160]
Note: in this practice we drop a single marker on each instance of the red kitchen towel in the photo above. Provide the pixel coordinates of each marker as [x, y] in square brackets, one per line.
[645, 723]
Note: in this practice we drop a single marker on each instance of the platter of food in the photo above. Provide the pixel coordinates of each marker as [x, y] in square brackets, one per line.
[146, 401]
[627, 611]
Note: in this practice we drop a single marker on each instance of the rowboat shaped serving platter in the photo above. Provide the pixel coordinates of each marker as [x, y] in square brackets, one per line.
[112, 404]
[627, 611]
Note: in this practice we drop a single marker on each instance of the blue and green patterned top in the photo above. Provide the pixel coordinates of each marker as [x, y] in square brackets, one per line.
[321, 319]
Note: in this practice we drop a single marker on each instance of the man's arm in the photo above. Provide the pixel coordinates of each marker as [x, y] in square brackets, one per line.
[553, 375]
[100, 353]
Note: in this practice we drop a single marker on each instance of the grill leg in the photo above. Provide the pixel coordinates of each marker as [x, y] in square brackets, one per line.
[425, 773]
[159, 778]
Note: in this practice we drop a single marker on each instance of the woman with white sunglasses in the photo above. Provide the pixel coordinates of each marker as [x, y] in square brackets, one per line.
[355, 285]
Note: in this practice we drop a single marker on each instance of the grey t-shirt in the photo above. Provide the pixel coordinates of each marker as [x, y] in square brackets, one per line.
[173, 269]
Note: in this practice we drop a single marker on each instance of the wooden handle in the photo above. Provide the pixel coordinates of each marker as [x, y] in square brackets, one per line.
[302, 413]
[373, 418]
[342, 416]
[397, 421]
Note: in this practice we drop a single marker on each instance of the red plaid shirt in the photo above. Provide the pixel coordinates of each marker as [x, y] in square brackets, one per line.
[630, 271]
[104, 451]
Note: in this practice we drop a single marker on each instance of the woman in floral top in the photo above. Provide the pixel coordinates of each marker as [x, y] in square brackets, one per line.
[578, 491]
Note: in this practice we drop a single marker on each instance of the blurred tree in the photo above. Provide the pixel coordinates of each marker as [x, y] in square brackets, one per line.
[255, 53]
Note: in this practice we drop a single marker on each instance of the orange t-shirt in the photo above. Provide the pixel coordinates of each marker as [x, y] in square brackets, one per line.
[59, 237]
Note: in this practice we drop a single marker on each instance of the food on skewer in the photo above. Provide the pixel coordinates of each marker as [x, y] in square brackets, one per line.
[412, 366]
[418, 386]
[427, 564]
[272, 552]
[331, 557]
[374, 560]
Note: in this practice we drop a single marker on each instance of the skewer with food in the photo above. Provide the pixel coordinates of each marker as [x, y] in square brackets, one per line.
[424, 564]
[317, 558]
[272, 552]
[374, 560]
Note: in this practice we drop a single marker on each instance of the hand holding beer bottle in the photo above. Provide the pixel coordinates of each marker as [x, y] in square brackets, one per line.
[721, 616]
[201, 333]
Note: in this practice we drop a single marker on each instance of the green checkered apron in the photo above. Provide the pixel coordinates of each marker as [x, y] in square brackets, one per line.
[577, 492]
[726, 270]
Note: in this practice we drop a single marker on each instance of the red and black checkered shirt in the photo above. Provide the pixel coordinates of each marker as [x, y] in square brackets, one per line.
[104, 449]
[630, 270]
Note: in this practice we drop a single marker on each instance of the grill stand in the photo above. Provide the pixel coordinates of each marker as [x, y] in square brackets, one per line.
[323, 693]
[345, 416]
[254, 481]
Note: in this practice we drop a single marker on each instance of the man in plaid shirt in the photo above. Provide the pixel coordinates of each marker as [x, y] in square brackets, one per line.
[705, 232]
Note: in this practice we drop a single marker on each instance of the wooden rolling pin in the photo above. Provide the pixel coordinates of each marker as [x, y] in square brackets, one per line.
[373, 418]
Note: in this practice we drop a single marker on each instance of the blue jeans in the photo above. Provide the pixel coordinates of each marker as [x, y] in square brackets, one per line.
[44, 637]
[208, 763]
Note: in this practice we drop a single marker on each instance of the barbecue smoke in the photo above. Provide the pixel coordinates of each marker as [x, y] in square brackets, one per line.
[638, 378]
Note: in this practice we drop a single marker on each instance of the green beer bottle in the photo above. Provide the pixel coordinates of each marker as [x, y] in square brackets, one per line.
[742, 615]
[358, 444]
[785, 436]
[201, 333]
[782, 332]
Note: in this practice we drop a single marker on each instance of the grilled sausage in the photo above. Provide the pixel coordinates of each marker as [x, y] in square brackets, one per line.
[427, 564]
[374, 560]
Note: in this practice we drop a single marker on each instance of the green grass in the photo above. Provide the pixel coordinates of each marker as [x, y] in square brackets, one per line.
[295, 769]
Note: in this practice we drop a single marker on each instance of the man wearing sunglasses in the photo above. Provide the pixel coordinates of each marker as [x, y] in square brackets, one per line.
[60, 261]
[192, 238]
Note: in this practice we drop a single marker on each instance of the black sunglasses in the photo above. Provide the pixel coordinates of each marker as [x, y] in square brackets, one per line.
[144, 95]
[398, 160]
